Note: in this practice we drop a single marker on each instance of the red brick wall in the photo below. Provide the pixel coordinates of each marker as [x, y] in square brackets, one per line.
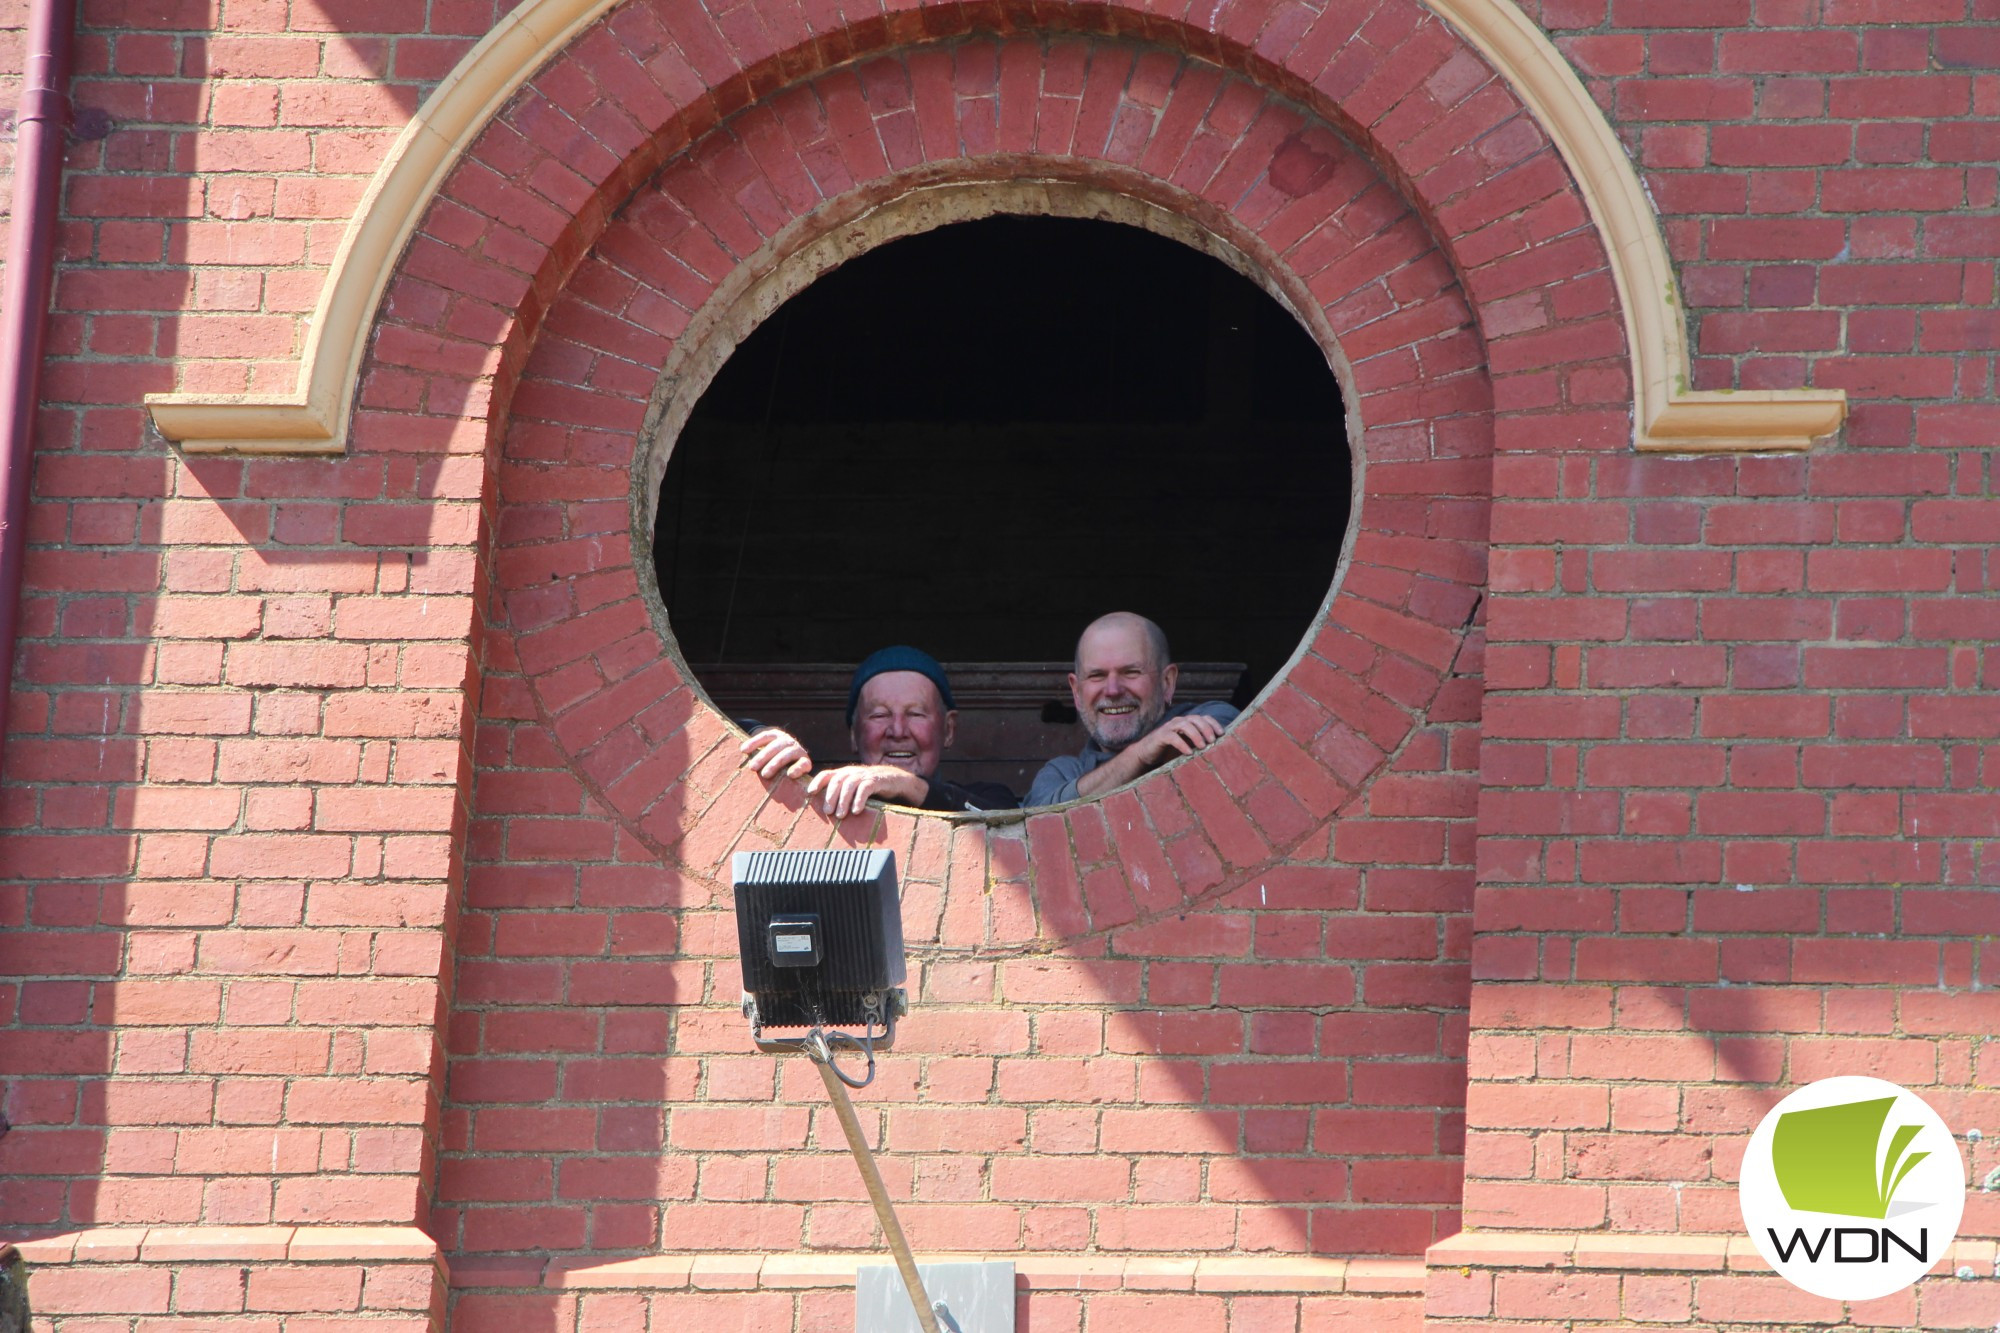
[1737, 789]
[236, 767]
[1731, 820]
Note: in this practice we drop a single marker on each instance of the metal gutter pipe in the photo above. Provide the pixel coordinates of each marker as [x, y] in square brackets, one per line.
[41, 131]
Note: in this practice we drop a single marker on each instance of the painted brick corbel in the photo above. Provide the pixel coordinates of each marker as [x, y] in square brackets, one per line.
[381, 1277]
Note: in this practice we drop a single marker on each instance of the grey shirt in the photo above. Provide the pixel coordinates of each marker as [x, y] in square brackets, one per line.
[1057, 780]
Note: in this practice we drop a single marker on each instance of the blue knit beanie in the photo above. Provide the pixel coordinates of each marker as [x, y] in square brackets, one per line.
[902, 657]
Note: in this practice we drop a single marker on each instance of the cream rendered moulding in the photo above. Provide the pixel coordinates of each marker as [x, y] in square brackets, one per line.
[1668, 417]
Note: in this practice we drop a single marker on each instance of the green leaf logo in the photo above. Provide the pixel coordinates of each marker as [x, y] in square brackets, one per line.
[1825, 1158]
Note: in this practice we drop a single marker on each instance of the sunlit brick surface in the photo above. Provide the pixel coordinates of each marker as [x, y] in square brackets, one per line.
[363, 838]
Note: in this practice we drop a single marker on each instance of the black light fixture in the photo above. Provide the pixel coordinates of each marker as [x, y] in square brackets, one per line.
[820, 936]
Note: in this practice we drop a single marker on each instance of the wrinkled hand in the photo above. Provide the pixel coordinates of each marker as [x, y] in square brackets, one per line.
[772, 754]
[845, 791]
[1178, 736]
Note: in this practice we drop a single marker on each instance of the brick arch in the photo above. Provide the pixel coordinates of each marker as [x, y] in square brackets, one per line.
[1285, 46]
[537, 188]
[686, 264]
[610, 793]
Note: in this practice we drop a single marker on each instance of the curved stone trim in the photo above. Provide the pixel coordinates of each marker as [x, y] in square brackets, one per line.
[313, 420]
[1667, 415]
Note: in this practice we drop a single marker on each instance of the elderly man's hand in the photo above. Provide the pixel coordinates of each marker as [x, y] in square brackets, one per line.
[845, 791]
[772, 753]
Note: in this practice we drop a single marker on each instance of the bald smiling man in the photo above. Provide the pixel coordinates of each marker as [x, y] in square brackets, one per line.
[1123, 688]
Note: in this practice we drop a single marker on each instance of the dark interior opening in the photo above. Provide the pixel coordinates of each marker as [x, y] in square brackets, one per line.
[977, 439]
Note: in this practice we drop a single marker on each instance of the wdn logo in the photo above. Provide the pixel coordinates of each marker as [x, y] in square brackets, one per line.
[1852, 1188]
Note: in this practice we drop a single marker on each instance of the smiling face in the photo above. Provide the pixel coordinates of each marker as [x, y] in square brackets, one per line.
[901, 721]
[1121, 692]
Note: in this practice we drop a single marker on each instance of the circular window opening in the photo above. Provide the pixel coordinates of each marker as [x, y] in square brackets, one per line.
[978, 439]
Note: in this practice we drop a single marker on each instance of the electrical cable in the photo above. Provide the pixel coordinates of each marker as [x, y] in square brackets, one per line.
[820, 1046]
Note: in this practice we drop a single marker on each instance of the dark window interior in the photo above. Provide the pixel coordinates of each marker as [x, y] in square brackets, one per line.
[977, 439]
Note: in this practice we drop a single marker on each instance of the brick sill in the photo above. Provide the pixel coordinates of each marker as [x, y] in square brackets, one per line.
[1589, 1251]
[1033, 1272]
[1221, 1274]
[1628, 1252]
[225, 1244]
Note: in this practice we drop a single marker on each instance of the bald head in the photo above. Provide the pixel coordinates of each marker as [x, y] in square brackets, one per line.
[1123, 679]
[1121, 623]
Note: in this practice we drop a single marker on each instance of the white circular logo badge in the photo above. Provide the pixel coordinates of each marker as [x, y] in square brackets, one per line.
[1852, 1188]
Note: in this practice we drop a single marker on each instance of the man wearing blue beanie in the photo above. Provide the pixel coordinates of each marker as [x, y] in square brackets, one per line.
[901, 718]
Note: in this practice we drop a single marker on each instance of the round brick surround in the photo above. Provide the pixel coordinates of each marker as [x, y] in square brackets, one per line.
[1318, 857]
[715, 241]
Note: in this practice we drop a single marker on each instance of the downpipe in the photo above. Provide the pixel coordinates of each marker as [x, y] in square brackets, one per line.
[41, 130]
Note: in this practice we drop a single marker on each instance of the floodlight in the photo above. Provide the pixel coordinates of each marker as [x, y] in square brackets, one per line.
[820, 936]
